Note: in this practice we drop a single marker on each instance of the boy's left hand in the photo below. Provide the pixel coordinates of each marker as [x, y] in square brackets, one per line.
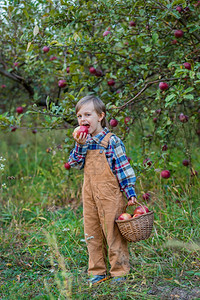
[132, 201]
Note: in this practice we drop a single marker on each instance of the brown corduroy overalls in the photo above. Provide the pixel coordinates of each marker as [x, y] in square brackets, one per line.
[102, 203]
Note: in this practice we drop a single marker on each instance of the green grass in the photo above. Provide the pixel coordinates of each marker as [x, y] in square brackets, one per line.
[43, 254]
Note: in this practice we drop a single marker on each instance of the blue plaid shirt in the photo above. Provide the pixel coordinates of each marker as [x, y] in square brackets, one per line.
[116, 157]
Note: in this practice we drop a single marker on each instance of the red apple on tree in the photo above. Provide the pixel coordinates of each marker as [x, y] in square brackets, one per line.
[164, 147]
[52, 58]
[124, 216]
[92, 70]
[132, 23]
[68, 70]
[174, 42]
[147, 162]
[81, 129]
[127, 120]
[113, 122]
[13, 128]
[107, 32]
[19, 110]
[62, 83]
[178, 33]
[187, 65]
[111, 82]
[185, 162]
[183, 118]
[16, 64]
[163, 86]
[165, 174]
[3, 86]
[99, 73]
[67, 166]
[179, 9]
[45, 49]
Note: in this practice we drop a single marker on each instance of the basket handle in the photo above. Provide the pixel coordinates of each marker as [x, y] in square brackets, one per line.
[136, 202]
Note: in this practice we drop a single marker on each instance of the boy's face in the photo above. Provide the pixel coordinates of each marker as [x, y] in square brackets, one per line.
[87, 116]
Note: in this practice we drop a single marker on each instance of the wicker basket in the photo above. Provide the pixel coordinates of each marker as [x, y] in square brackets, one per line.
[138, 228]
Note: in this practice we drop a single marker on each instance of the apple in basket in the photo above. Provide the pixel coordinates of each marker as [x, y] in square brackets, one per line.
[140, 210]
[124, 216]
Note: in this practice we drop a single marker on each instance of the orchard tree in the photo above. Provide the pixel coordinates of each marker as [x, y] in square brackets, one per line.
[142, 58]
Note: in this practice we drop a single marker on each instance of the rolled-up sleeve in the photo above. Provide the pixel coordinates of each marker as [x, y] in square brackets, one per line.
[77, 156]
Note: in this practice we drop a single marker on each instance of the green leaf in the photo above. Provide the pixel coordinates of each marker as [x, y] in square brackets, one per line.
[170, 97]
[148, 49]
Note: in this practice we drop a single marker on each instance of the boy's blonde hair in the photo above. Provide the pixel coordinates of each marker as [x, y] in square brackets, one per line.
[99, 106]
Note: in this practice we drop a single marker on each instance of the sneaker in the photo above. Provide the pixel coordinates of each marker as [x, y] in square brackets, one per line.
[117, 280]
[97, 279]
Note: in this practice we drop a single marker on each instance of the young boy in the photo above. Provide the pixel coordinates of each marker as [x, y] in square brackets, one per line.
[107, 174]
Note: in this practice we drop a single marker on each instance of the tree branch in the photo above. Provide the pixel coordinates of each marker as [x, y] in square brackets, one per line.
[141, 91]
[19, 80]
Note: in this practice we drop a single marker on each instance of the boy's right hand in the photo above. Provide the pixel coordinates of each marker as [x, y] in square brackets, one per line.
[81, 139]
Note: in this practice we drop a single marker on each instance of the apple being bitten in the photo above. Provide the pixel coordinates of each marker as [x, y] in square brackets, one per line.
[81, 129]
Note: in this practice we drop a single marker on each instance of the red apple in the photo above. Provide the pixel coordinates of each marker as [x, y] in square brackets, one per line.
[158, 111]
[132, 23]
[179, 9]
[140, 210]
[19, 110]
[127, 120]
[111, 82]
[92, 70]
[146, 196]
[52, 58]
[174, 42]
[107, 32]
[99, 73]
[183, 118]
[178, 33]
[124, 216]
[155, 120]
[197, 4]
[147, 162]
[16, 64]
[187, 65]
[136, 215]
[163, 86]
[13, 128]
[164, 147]
[67, 166]
[113, 122]
[62, 83]
[193, 173]
[34, 131]
[3, 86]
[45, 49]
[81, 129]
[185, 162]
[68, 70]
[165, 174]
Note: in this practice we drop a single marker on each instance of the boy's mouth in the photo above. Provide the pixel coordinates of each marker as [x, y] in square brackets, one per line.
[86, 125]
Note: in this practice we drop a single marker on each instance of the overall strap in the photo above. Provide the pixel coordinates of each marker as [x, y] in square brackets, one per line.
[106, 139]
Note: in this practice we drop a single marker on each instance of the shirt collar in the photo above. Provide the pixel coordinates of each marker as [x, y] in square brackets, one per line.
[100, 136]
